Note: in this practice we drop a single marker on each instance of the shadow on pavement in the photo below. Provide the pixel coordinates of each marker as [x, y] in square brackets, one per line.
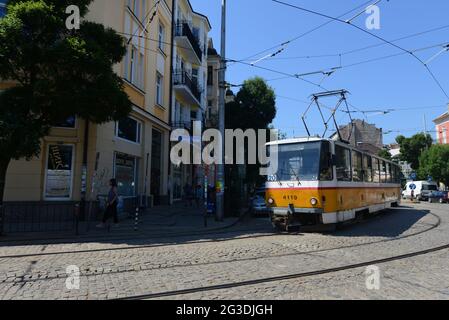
[390, 223]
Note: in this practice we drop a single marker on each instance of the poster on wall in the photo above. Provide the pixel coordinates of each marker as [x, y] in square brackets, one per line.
[59, 172]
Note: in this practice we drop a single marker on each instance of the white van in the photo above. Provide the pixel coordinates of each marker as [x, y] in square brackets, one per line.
[421, 191]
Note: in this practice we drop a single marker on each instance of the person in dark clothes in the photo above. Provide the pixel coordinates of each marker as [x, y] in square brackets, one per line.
[111, 204]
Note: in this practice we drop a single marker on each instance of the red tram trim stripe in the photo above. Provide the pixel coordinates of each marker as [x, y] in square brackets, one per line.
[332, 188]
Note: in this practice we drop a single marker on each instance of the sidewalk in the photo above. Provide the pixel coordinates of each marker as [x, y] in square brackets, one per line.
[153, 222]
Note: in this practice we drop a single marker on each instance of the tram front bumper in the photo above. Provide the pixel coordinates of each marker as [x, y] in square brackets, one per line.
[297, 216]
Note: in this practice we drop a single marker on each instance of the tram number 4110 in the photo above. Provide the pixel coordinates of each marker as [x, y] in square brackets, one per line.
[286, 197]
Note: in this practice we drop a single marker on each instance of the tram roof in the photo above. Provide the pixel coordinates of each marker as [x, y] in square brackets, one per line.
[296, 140]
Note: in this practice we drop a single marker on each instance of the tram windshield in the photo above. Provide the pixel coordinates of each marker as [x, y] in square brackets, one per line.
[309, 161]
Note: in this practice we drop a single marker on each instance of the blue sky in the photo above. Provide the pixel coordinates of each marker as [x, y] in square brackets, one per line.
[396, 83]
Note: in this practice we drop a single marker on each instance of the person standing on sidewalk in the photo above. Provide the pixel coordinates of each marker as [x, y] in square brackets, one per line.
[111, 204]
[198, 195]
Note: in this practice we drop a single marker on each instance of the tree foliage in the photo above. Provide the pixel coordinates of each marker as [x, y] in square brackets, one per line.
[412, 148]
[384, 153]
[57, 73]
[434, 162]
[253, 107]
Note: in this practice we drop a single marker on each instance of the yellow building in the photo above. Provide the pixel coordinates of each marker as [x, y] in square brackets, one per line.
[189, 100]
[134, 150]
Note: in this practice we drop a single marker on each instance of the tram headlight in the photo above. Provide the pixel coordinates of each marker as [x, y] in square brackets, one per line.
[314, 202]
[270, 201]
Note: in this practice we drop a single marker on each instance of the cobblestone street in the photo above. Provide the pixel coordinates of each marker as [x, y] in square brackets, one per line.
[244, 261]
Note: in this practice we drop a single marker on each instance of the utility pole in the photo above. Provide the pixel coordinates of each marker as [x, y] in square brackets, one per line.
[221, 113]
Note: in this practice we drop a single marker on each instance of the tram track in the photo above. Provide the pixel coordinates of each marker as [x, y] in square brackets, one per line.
[149, 246]
[209, 263]
[294, 276]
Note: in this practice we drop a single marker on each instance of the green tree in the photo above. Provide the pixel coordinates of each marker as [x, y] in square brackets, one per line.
[254, 107]
[57, 73]
[434, 162]
[412, 148]
[384, 153]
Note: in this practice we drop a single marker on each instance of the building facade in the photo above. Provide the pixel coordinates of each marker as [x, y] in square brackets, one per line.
[78, 158]
[362, 135]
[189, 97]
[442, 128]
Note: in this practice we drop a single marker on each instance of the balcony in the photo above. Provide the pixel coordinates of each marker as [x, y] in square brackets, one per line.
[188, 43]
[187, 88]
[181, 125]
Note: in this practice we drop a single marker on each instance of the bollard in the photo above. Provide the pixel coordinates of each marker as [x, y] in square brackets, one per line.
[77, 218]
[136, 221]
[1, 219]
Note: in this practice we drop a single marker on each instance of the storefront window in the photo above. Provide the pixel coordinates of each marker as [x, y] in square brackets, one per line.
[59, 173]
[126, 173]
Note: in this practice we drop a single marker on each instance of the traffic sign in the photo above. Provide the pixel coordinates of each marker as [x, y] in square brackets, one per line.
[413, 176]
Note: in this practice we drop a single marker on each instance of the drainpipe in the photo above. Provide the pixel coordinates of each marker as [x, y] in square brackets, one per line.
[170, 119]
[83, 205]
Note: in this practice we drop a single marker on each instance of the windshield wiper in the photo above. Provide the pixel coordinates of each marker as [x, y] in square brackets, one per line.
[296, 176]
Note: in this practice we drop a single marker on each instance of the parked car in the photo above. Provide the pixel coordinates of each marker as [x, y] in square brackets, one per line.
[445, 198]
[258, 204]
[436, 196]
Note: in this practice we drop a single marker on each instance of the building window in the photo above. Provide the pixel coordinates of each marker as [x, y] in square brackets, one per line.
[129, 129]
[143, 11]
[125, 169]
[134, 67]
[195, 76]
[210, 75]
[69, 123]
[444, 136]
[159, 89]
[59, 172]
[161, 37]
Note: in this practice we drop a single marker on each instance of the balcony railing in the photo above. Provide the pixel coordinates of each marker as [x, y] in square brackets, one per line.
[181, 125]
[183, 30]
[183, 78]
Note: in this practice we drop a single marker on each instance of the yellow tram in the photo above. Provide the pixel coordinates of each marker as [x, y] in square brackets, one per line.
[326, 182]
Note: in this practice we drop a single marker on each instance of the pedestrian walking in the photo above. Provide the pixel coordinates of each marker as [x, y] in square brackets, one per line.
[188, 195]
[198, 195]
[111, 205]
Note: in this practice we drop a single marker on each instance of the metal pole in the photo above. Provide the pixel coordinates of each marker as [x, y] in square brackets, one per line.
[221, 112]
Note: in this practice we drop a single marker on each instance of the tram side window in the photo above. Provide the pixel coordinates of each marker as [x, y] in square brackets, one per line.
[376, 171]
[368, 165]
[387, 173]
[357, 166]
[397, 174]
[326, 167]
[343, 160]
[383, 169]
